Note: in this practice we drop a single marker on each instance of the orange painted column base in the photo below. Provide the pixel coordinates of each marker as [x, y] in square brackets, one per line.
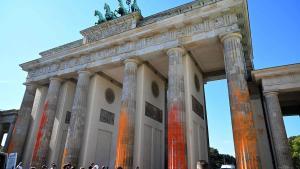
[244, 131]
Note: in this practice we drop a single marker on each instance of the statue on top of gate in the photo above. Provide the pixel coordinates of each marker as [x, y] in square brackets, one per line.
[101, 19]
[121, 10]
[109, 15]
[135, 7]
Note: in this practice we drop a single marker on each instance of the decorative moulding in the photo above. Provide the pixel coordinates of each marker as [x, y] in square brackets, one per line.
[111, 28]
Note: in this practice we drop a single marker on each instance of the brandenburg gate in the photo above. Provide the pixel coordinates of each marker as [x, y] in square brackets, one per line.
[130, 93]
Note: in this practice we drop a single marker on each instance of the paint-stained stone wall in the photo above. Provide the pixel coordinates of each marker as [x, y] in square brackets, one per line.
[195, 116]
[99, 144]
[60, 127]
[150, 120]
[38, 104]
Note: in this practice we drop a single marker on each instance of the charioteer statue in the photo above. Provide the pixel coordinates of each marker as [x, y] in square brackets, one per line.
[120, 11]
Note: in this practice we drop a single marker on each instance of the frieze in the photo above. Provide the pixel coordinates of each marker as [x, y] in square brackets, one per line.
[111, 28]
[176, 11]
[203, 26]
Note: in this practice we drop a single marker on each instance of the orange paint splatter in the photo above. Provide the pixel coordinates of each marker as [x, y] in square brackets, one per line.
[11, 147]
[43, 122]
[176, 140]
[11, 144]
[65, 154]
[122, 140]
[244, 131]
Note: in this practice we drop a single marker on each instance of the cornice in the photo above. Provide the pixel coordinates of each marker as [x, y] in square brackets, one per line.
[260, 74]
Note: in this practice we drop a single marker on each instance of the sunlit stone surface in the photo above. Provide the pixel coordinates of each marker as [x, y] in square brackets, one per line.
[130, 93]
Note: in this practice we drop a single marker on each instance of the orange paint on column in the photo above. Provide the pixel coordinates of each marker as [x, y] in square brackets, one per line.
[11, 146]
[65, 154]
[176, 140]
[43, 122]
[243, 129]
[122, 140]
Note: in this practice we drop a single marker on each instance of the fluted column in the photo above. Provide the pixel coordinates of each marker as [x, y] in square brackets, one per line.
[177, 150]
[77, 123]
[244, 132]
[280, 140]
[8, 138]
[125, 138]
[22, 124]
[41, 148]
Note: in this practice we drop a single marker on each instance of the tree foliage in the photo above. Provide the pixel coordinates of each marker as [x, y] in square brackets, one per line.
[295, 150]
[216, 160]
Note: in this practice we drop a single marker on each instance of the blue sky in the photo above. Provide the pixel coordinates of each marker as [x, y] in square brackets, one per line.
[31, 26]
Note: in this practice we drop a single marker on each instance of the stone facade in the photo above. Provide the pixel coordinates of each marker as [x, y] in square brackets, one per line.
[130, 92]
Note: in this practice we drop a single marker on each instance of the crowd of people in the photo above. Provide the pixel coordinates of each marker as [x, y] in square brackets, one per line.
[68, 166]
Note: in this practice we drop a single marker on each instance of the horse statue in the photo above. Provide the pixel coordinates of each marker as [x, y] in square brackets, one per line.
[135, 7]
[121, 9]
[109, 15]
[101, 19]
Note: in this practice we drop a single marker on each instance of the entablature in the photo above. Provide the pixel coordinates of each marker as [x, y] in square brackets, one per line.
[279, 79]
[198, 23]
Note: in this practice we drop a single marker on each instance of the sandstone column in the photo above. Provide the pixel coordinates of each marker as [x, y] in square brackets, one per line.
[244, 132]
[23, 122]
[9, 134]
[177, 150]
[40, 152]
[125, 138]
[77, 123]
[280, 141]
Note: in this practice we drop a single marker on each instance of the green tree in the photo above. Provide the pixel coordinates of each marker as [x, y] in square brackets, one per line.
[295, 150]
[216, 160]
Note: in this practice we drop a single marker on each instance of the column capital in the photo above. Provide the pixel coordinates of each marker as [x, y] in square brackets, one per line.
[231, 35]
[177, 50]
[87, 72]
[56, 79]
[132, 60]
[33, 85]
[270, 93]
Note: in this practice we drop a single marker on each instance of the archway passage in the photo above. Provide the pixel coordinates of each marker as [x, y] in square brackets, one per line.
[219, 123]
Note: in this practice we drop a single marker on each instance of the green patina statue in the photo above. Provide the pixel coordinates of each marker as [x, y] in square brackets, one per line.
[109, 15]
[121, 9]
[101, 19]
[135, 7]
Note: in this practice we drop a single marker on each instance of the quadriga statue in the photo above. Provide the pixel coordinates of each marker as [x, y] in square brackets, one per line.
[109, 15]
